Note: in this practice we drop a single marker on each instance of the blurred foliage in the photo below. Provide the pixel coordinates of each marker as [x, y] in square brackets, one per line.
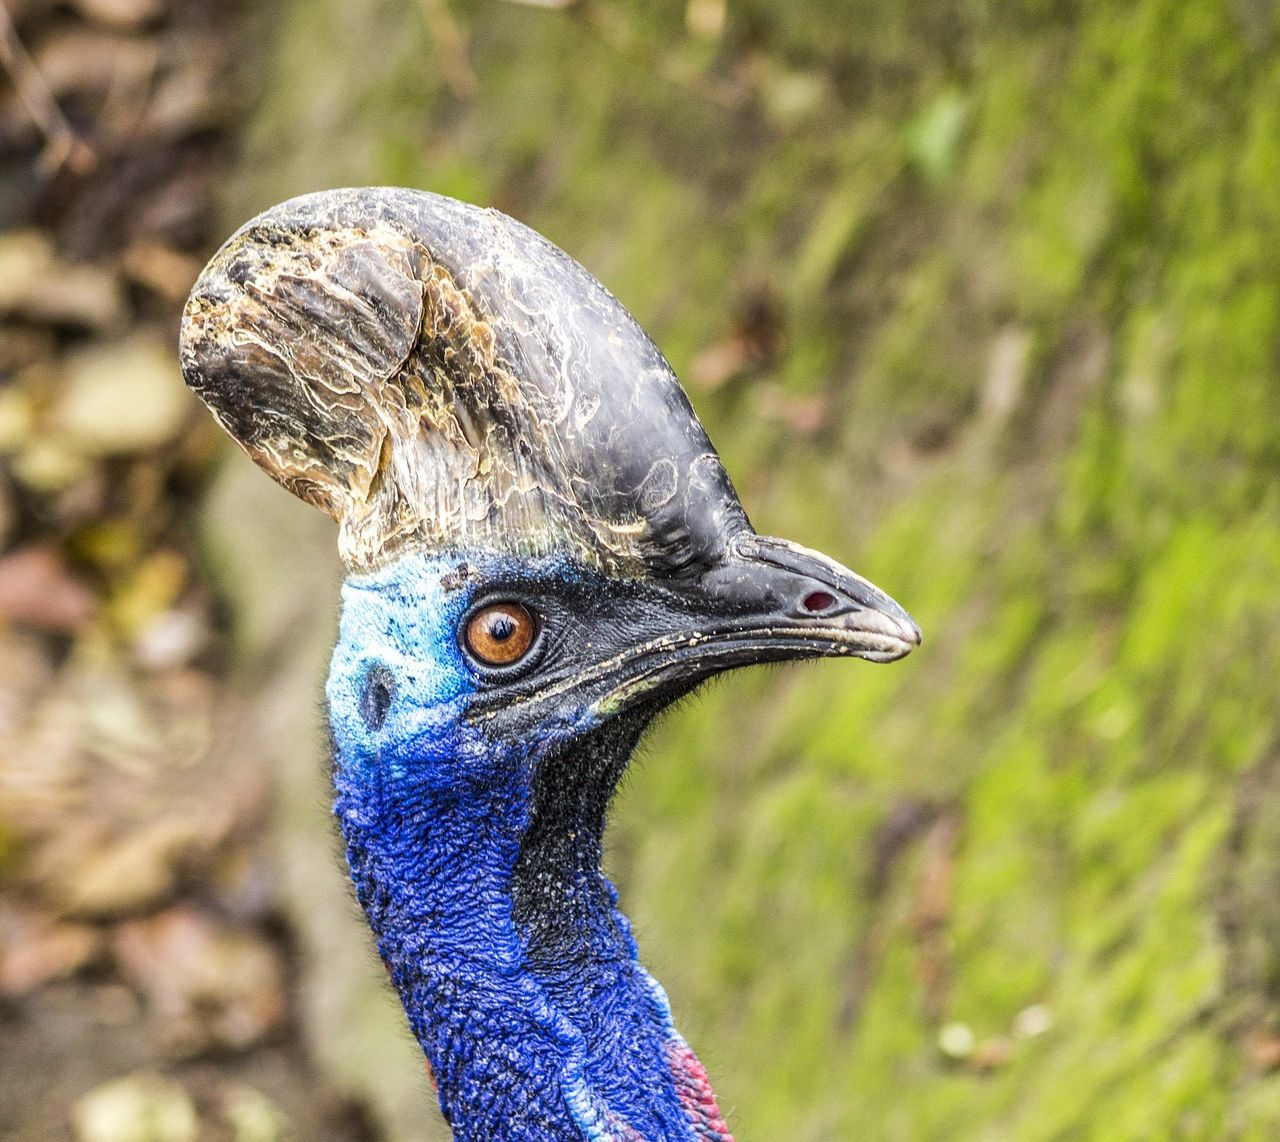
[986, 298]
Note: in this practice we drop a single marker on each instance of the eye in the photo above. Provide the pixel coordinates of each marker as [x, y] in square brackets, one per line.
[379, 693]
[500, 634]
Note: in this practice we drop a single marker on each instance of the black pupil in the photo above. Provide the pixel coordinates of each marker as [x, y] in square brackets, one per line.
[379, 693]
[501, 628]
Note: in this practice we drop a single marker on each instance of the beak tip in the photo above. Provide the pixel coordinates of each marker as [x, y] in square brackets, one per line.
[907, 630]
[911, 638]
[889, 633]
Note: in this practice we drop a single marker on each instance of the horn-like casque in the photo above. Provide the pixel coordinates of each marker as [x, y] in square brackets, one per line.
[434, 374]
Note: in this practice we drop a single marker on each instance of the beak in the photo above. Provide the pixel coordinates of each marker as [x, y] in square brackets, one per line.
[800, 593]
[768, 600]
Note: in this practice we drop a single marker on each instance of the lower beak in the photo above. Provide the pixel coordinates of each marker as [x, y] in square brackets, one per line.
[769, 600]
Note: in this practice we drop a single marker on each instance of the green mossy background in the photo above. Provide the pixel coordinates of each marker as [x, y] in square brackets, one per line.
[1003, 285]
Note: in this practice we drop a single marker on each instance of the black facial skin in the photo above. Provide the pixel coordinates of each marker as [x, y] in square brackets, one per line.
[579, 622]
[624, 649]
[608, 645]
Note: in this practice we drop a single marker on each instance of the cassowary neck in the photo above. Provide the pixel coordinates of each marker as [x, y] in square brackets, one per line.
[518, 973]
[562, 903]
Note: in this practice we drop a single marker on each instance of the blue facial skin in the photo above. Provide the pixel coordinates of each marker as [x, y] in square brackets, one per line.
[433, 809]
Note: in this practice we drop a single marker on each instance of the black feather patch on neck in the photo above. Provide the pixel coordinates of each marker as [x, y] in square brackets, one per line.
[562, 902]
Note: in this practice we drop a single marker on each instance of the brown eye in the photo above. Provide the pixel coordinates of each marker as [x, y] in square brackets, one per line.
[500, 633]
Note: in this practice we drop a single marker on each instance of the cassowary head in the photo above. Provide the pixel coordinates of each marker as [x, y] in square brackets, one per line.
[544, 550]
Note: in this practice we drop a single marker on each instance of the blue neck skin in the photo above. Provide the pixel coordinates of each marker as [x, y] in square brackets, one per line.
[477, 863]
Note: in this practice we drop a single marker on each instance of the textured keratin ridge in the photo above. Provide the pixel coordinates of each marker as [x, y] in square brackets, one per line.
[433, 374]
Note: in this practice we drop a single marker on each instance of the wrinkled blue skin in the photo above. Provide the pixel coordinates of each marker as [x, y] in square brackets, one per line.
[432, 811]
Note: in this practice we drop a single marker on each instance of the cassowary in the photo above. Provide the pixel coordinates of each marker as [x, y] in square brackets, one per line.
[543, 552]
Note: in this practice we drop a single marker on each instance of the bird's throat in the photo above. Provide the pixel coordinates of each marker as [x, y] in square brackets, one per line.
[562, 903]
[517, 971]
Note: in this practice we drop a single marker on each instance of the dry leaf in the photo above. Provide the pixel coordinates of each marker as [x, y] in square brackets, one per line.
[37, 590]
[133, 872]
[123, 398]
[143, 1107]
[210, 988]
[121, 13]
[36, 949]
[36, 284]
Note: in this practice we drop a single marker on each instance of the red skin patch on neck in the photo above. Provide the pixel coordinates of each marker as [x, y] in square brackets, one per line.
[696, 1096]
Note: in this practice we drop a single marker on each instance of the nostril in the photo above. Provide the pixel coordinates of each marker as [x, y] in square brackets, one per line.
[818, 601]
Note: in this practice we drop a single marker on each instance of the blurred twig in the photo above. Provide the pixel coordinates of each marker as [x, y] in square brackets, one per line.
[451, 47]
[63, 147]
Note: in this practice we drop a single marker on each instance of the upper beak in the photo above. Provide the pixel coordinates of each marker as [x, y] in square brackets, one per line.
[809, 601]
[768, 600]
